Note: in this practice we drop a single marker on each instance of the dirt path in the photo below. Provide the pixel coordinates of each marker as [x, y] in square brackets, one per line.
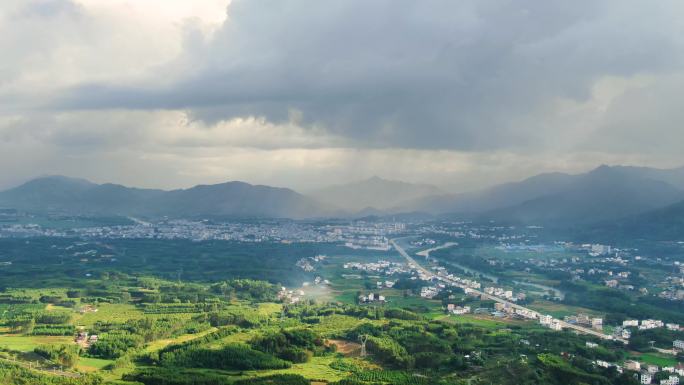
[347, 348]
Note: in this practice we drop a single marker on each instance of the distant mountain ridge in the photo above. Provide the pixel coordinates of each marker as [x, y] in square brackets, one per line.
[605, 193]
[234, 199]
[373, 194]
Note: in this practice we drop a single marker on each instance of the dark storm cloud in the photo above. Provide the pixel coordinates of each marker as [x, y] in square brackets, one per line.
[429, 74]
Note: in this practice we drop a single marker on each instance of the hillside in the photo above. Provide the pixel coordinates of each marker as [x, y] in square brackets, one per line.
[663, 224]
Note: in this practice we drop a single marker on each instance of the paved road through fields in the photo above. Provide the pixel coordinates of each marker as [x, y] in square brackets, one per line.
[564, 324]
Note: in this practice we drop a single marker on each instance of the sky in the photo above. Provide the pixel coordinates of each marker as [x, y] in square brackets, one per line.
[306, 93]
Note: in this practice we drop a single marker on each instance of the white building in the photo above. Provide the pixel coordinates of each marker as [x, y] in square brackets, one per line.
[556, 325]
[597, 250]
[651, 324]
[428, 292]
[646, 378]
[671, 380]
[461, 310]
[632, 365]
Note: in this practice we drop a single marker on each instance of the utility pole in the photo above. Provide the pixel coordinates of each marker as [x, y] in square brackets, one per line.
[363, 339]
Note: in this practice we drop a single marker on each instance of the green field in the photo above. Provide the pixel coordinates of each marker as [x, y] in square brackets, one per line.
[657, 359]
[316, 369]
[28, 343]
[88, 364]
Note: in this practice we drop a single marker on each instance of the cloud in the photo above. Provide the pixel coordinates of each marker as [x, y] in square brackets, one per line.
[305, 92]
[439, 74]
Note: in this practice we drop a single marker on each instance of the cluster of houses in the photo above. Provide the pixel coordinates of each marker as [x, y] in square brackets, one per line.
[84, 340]
[614, 279]
[305, 264]
[423, 242]
[197, 230]
[295, 296]
[500, 310]
[379, 267]
[647, 373]
[319, 281]
[597, 250]
[673, 285]
[673, 294]
[584, 320]
[369, 242]
[366, 235]
[502, 293]
[550, 322]
[441, 271]
[625, 331]
[458, 310]
[650, 324]
[388, 284]
[371, 298]
[504, 309]
[429, 292]
[87, 309]
[290, 296]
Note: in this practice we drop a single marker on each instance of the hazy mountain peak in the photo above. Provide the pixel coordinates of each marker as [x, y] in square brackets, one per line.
[373, 193]
[58, 179]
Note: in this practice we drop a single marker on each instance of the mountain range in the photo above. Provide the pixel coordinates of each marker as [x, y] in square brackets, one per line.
[234, 199]
[606, 194]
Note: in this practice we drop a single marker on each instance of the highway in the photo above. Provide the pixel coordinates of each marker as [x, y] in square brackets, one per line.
[564, 324]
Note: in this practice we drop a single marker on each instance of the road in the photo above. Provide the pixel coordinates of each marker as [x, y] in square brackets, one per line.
[482, 294]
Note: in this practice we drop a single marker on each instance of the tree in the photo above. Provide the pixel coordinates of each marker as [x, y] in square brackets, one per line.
[29, 326]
